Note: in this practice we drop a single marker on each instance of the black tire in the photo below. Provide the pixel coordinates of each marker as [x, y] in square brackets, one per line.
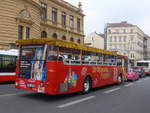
[87, 84]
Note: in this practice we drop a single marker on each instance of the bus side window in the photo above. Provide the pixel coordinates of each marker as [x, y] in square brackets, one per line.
[70, 56]
[52, 58]
[61, 58]
[105, 59]
[112, 60]
[119, 62]
[77, 58]
[86, 57]
[52, 53]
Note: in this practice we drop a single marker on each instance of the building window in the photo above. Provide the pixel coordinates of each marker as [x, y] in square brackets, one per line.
[115, 38]
[119, 46]
[115, 46]
[54, 35]
[88, 44]
[78, 24]
[131, 37]
[43, 10]
[79, 41]
[117, 30]
[124, 30]
[133, 55]
[72, 21]
[71, 39]
[27, 32]
[110, 38]
[120, 38]
[131, 31]
[63, 37]
[54, 15]
[63, 19]
[43, 34]
[125, 38]
[20, 32]
[109, 31]
[124, 46]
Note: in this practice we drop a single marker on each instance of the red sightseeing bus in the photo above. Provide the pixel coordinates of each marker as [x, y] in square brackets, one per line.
[8, 65]
[53, 66]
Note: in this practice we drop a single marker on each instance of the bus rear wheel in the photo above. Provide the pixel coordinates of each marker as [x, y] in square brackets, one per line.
[87, 85]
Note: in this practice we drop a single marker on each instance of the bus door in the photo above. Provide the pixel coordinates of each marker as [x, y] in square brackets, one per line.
[32, 64]
[121, 67]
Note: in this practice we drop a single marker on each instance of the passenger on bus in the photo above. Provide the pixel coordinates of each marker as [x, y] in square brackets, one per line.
[70, 57]
[60, 57]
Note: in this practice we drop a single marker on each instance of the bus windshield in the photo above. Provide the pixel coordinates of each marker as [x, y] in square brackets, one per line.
[31, 52]
[32, 63]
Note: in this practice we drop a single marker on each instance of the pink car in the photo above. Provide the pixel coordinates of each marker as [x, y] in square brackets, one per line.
[132, 75]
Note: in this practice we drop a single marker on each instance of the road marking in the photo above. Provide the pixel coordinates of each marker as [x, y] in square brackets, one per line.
[146, 79]
[13, 94]
[75, 102]
[112, 90]
[140, 81]
[130, 84]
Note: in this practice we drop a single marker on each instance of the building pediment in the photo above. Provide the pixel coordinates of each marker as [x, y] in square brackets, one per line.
[24, 16]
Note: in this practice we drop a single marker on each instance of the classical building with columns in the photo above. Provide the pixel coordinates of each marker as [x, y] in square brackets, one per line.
[23, 19]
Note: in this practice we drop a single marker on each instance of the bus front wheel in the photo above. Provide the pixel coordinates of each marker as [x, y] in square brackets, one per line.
[87, 85]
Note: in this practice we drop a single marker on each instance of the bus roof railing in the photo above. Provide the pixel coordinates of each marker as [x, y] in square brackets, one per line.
[62, 43]
[77, 62]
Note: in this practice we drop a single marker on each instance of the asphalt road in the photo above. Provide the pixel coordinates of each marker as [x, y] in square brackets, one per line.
[131, 97]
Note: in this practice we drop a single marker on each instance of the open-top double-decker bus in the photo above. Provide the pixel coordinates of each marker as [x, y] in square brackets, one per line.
[8, 60]
[53, 66]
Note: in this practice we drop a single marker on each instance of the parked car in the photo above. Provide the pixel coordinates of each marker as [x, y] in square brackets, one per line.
[132, 75]
[140, 71]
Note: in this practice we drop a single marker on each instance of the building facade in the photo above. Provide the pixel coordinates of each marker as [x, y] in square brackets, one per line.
[148, 48]
[126, 39]
[94, 40]
[23, 19]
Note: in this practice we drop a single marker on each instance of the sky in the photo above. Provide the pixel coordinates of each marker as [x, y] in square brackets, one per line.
[99, 12]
